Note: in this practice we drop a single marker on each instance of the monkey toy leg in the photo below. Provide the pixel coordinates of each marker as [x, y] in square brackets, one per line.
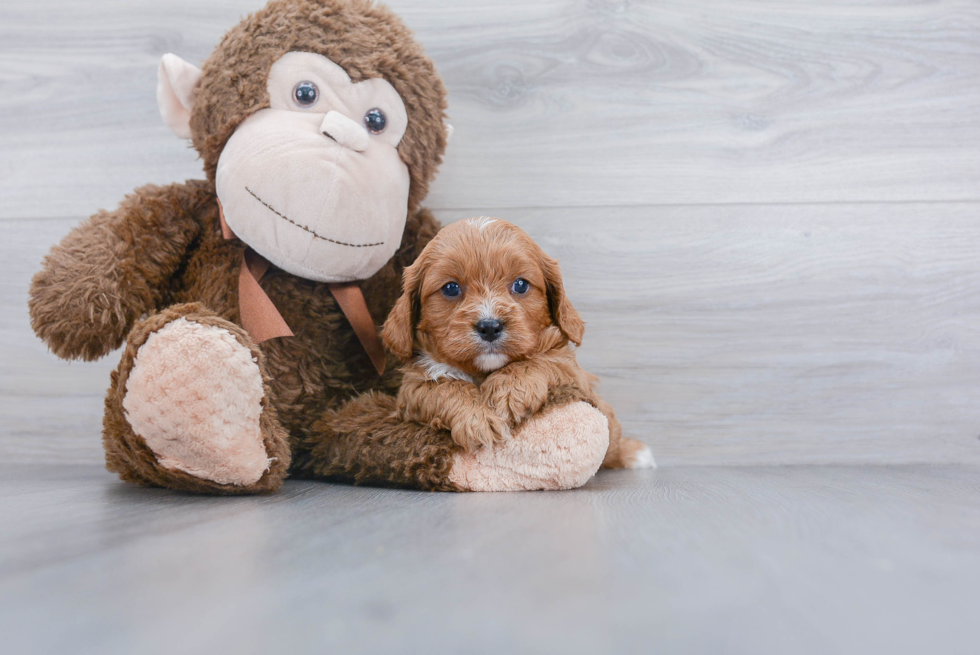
[188, 408]
[365, 442]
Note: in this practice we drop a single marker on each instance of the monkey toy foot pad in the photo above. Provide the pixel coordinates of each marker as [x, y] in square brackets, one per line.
[193, 403]
[195, 396]
[561, 448]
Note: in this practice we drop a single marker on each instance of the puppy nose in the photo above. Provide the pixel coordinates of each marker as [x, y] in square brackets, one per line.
[489, 329]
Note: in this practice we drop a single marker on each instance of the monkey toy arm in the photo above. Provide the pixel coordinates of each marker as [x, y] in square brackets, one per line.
[113, 268]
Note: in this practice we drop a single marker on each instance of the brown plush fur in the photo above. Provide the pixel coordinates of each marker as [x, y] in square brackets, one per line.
[163, 247]
[535, 360]
[367, 443]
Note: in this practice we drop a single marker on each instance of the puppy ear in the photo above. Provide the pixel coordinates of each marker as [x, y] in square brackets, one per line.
[398, 333]
[562, 312]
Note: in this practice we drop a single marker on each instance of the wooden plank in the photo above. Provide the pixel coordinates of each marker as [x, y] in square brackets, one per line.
[556, 103]
[746, 334]
[690, 560]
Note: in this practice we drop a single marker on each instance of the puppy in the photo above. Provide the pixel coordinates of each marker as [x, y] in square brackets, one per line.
[486, 330]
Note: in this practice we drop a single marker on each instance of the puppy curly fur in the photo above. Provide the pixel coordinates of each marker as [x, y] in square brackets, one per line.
[479, 389]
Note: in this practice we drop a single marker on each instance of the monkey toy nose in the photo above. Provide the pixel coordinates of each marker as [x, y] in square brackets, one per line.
[345, 131]
[489, 329]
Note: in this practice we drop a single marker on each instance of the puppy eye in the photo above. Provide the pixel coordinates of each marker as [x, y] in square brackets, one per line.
[451, 289]
[306, 94]
[520, 286]
[375, 121]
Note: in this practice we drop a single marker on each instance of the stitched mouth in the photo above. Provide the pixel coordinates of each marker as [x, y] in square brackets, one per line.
[305, 228]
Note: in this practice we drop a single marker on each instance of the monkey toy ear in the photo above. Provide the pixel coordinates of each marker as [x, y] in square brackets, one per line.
[176, 82]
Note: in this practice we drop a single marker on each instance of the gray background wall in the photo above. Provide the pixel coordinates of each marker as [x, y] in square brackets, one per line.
[766, 211]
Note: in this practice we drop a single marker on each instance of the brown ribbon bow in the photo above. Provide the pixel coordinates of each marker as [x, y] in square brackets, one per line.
[262, 320]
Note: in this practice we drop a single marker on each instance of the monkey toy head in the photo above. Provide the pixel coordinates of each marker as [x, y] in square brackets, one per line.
[321, 124]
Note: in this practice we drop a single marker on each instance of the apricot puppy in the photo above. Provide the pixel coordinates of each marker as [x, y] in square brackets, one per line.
[485, 328]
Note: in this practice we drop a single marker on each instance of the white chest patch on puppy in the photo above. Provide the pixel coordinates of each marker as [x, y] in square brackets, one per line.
[437, 370]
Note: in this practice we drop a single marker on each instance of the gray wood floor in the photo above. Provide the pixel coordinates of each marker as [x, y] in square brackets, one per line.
[766, 210]
[684, 560]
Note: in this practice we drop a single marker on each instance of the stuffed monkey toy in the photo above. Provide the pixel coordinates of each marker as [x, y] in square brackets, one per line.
[248, 303]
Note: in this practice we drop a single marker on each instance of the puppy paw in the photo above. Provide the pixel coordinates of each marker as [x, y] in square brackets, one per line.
[480, 428]
[514, 397]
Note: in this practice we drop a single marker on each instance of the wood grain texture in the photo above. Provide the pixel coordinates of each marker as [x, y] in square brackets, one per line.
[556, 102]
[750, 334]
[688, 560]
[781, 333]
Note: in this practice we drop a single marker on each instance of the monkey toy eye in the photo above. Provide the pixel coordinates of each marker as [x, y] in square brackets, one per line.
[520, 286]
[375, 121]
[306, 94]
[451, 289]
